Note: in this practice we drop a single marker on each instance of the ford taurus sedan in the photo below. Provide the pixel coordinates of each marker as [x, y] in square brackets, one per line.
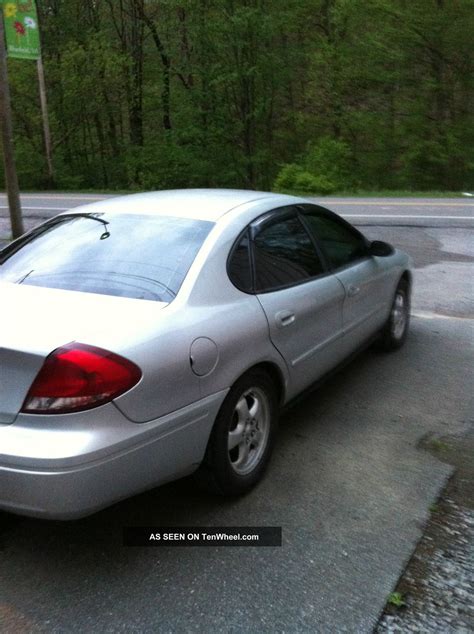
[150, 336]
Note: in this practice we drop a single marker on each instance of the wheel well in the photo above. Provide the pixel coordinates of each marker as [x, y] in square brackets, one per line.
[275, 374]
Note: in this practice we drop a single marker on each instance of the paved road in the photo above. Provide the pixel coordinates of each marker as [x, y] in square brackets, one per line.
[420, 212]
[424, 212]
[349, 484]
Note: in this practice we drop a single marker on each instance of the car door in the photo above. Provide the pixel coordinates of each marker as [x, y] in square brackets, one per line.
[302, 301]
[365, 278]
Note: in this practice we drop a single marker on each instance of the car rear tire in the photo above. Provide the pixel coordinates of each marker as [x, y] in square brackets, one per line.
[243, 435]
[395, 331]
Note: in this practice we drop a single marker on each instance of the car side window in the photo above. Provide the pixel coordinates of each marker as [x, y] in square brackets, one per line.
[284, 254]
[340, 244]
[239, 266]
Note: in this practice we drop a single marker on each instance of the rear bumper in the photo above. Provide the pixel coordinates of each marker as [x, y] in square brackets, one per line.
[75, 465]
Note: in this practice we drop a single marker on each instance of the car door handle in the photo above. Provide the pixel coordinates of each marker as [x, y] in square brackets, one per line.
[352, 290]
[285, 318]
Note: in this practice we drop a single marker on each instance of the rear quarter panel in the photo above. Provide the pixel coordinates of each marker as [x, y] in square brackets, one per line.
[207, 306]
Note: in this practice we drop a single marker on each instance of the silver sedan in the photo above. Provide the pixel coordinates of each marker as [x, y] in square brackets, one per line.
[151, 336]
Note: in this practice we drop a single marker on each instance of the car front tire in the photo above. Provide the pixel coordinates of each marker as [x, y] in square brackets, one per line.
[243, 435]
[395, 331]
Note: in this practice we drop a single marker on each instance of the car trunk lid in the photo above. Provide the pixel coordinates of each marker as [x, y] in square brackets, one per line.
[34, 321]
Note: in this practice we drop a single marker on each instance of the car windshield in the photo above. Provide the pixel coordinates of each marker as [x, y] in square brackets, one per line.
[126, 255]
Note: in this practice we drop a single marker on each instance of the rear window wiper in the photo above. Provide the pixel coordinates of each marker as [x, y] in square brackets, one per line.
[106, 233]
[84, 215]
[17, 244]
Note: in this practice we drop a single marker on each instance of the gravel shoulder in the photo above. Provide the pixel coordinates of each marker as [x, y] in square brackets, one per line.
[436, 591]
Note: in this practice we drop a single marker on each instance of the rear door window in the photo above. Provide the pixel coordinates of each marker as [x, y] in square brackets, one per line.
[284, 254]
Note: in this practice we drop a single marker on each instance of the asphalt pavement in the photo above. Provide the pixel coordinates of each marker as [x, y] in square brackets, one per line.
[350, 483]
[421, 212]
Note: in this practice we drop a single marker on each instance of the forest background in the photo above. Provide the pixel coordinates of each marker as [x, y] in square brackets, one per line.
[317, 96]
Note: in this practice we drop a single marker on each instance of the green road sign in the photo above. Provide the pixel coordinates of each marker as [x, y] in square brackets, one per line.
[21, 29]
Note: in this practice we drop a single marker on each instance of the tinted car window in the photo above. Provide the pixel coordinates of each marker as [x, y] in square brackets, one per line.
[129, 255]
[240, 272]
[284, 254]
[340, 244]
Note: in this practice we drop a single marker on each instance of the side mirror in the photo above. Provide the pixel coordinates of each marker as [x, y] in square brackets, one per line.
[380, 249]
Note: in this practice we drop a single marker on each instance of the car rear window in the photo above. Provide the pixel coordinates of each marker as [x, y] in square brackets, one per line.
[126, 255]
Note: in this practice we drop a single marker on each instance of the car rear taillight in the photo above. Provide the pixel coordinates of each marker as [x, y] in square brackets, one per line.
[77, 377]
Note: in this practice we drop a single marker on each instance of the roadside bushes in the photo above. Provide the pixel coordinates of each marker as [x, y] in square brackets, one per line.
[323, 169]
[295, 177]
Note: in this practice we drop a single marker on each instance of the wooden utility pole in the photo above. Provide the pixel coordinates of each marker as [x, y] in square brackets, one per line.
[46, 130]
[11, 178]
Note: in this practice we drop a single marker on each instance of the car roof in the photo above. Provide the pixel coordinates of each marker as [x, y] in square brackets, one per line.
[201, 204]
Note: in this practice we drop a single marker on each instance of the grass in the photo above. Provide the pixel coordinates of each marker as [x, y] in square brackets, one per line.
[438, 445]
[363, 193]
[393, 193]
[117, 192]
[396, 599]
[383, 193]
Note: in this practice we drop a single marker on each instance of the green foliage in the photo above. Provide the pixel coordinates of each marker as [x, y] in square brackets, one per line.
[438, 445]
[318, 184]
[293, 177]
[287, 177]
[324, 169]
[396, 599]
[310, 95]
[30, 166]
[423, 164]
[330, 159]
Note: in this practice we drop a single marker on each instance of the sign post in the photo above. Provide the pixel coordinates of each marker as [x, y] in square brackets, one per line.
[23, 42]
[11, 179]
[44, 110]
